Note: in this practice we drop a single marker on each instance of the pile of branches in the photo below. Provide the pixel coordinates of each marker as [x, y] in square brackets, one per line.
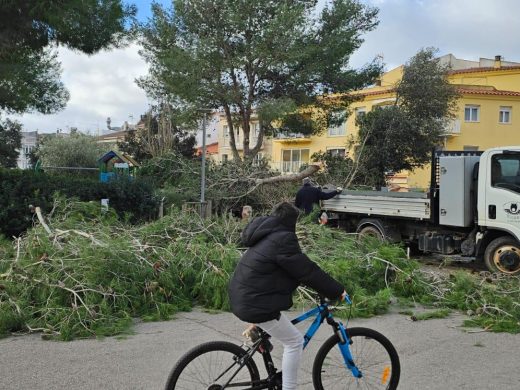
[376, 275]
[86, 273]
[83, 272]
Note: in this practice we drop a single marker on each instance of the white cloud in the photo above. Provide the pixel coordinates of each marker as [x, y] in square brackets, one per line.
[468, 29]
[100, 86]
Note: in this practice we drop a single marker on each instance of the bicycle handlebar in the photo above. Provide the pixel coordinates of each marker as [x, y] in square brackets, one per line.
[346, 298]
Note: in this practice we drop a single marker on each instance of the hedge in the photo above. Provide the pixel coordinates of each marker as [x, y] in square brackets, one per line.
[132, 199]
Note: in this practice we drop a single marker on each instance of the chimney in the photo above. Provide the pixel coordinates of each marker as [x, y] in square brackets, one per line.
[498, 62]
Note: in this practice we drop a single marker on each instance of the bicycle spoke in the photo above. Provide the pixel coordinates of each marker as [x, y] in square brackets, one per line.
[215, 367]
[370, 357]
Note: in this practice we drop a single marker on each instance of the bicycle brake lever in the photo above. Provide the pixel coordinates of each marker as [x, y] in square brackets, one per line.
[347, 299]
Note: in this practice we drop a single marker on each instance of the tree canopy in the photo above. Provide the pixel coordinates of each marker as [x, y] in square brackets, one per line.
[77, 150]
[29, 29]
[10, 143]
[266, 58]
[401, 136]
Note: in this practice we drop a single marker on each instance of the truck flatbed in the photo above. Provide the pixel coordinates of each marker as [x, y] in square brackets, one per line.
[414, 205]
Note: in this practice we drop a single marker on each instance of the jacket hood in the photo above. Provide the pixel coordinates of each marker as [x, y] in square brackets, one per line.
[259, 228]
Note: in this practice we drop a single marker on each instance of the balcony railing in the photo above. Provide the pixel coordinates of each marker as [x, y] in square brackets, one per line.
[288, 167]
[452, 127]
[287, 135]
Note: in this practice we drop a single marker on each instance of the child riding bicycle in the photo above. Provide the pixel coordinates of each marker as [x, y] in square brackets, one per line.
[267, 276]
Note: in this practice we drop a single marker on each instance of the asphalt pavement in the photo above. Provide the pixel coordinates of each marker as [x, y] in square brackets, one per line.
[434, 354]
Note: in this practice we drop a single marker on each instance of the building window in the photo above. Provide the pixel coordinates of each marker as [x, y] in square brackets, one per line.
[339, 129]
[293, 159]
[237, 138]
[472, 113]
[225, 130]
[258, 159]
[224, 158]
[504, 115]
[255, 130]
[360, 112]
[470, 148]
[336, 152]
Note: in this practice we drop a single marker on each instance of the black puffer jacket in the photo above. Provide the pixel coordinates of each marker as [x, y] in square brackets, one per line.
[308, 196]
[271, 269]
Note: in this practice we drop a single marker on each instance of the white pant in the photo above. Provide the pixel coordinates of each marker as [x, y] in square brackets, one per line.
[291, 338]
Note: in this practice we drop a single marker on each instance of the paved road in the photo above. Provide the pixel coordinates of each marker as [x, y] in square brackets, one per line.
[435, 354]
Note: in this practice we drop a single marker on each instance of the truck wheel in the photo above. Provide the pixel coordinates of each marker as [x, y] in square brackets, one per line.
[370, 231]
[502, 255]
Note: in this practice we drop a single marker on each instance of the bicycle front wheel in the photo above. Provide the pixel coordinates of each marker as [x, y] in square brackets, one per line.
[210, 366]
[373, 354]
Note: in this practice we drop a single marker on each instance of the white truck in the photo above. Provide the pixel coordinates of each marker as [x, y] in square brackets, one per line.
[471, 211]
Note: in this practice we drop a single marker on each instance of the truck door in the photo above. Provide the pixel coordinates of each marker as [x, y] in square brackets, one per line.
[502, 192]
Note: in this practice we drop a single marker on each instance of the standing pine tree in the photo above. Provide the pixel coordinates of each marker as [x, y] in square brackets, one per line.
[401, 136]
[266, 57]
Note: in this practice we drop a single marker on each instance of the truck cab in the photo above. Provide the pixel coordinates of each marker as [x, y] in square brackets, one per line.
[498, 207]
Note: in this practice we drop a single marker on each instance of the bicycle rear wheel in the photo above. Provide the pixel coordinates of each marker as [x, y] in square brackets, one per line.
[209, 366]
[373, 354]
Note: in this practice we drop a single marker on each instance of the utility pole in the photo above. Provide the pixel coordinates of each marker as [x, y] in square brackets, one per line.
[203, 168]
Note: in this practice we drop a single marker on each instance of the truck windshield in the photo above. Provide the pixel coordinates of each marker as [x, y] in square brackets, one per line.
[505, 171]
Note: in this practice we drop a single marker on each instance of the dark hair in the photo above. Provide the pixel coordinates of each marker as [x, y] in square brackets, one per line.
[287, 213]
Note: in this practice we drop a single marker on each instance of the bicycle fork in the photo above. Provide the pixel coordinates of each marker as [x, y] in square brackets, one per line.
[344, 347]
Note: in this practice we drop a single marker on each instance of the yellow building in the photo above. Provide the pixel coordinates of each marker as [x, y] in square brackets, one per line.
[488, 115]
[485, 116]
[488, 111]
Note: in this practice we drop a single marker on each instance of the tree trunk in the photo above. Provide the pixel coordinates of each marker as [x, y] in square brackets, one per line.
[232, 142]
[310, 170]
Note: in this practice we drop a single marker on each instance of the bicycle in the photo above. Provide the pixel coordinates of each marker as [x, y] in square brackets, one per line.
[220, 365]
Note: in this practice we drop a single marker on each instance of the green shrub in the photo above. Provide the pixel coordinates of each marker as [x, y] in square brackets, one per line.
[21, 188]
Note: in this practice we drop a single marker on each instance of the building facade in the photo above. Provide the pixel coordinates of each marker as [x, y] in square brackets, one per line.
[488, 111]
[487, 115]
[29, 142]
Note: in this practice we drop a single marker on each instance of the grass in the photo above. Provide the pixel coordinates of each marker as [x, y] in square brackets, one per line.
[428, 315]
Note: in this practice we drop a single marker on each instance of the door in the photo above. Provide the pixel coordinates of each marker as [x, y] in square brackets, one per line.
[502, 200]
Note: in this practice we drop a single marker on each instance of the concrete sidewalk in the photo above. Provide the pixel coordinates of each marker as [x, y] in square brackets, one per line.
[434, 354]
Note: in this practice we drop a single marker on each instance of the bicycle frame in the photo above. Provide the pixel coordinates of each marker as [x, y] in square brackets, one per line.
[323, 314]
[263, 345]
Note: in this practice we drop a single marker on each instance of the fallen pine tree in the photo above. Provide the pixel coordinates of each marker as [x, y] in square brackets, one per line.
[84, 273]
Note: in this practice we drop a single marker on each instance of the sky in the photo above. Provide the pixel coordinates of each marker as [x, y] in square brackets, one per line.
[103, 85]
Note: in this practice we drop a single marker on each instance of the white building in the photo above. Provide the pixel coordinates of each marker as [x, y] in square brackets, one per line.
[29, 140]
